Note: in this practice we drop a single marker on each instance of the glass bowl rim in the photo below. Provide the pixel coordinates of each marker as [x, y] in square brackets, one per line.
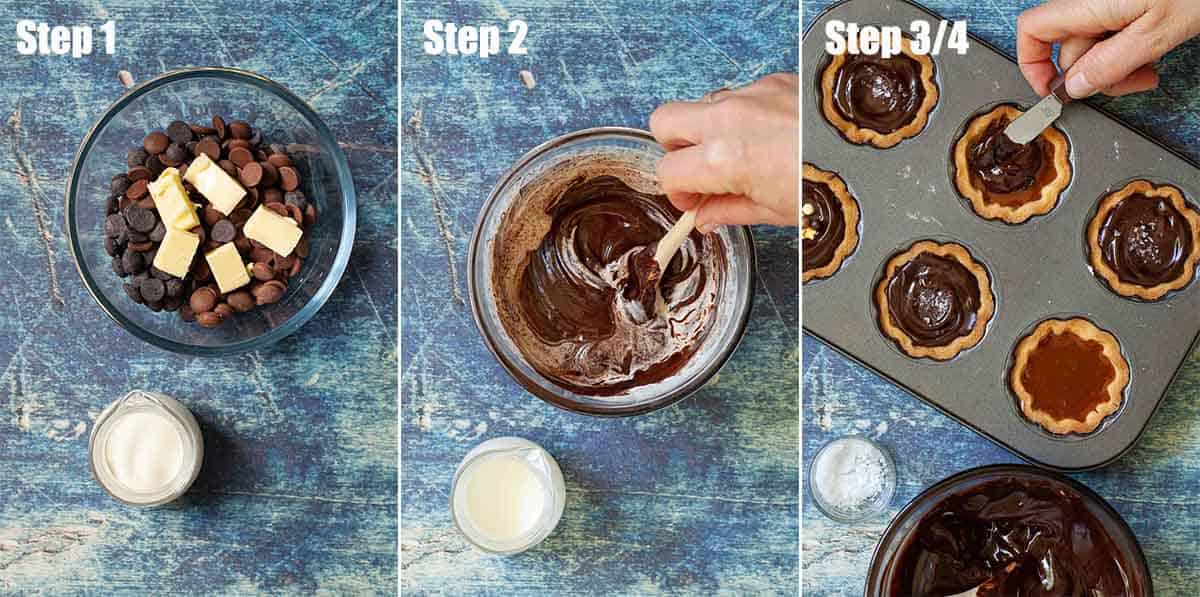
[702, 377]
[325, 136]
[876, 568]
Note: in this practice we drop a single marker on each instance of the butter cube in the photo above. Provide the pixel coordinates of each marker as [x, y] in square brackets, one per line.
[221, 190]
[171, 201]
[227, 268]
[176, 252]
[276, 232]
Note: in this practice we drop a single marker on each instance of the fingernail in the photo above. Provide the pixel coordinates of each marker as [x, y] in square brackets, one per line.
[1078, 86]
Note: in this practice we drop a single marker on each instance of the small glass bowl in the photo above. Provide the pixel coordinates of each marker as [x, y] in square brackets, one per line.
[867, 509]
[638, 149]
[881, 574]
[195, 95]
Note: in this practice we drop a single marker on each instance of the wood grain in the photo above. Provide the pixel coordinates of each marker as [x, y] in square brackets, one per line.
[298, 490]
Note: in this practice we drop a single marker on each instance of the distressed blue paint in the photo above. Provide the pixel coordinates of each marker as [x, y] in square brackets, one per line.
[695, 499]
[1156, 487]
[298, 490]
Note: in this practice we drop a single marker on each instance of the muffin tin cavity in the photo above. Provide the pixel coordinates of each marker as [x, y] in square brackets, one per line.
[1036, 270]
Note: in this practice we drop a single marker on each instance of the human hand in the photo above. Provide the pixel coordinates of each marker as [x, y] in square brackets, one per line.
[735, 155]
[1109, 46]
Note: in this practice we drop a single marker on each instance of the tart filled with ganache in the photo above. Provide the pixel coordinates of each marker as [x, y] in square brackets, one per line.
[1007, 181]
[1144, 240]
[1068, 375]
[829, 223]
[879, 101]
[935, 300]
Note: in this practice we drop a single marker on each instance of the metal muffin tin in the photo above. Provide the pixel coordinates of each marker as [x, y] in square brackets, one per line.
[1039, 268]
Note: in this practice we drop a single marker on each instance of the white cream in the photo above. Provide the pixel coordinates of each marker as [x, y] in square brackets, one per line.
[145, 451]
[502, 497]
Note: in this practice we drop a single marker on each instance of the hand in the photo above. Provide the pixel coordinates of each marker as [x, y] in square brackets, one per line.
[1109, 46]
[736, 155]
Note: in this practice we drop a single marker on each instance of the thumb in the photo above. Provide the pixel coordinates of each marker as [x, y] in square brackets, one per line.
[1113, 60]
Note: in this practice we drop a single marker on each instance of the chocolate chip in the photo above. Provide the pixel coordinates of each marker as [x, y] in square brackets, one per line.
[175, 154]
[155, 165]
[302, 247]
[153, 290]
[239, 217]
[240, 300]
[296, 214]
[146, 202]
[229, 167]
[132, 262]
[278, 208]
[270, 174]
[210, 148]
[142, 220]
[134, 236]
[243, 245]
[110, 246]
[289, 179]
[137, 190]
[272, 195]
[118, 266]
[179, 132]
[159, 232]
[209, 319]
[134, 292]
[279, 160]
[141, 246]
[112, 204]
[269, 292]
[224, 232]
[261, 254]
[203, 300]
[156, 142]
[114, 225]
[224, 310]
[172, 303]
[120, 183]
[201, 270]
[138, 172]
[200, 130]
[212, 216]
[262, 272]
[136, 157]
[240, 156]
[219, 125]
[174, 287]
[240, 129]
[186, 313]
[232, 144]
[251, 175]
[157, 273]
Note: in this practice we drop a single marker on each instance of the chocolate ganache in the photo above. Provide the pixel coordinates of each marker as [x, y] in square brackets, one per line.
[880, 94]
[584, 295]
[1002, 165]
[1145, 240]
[1029, 537]
[933, 299]
[827, 223]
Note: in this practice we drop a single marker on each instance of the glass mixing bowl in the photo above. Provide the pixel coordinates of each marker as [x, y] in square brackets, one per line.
[640, 150]
[896, 537]
[194, 95]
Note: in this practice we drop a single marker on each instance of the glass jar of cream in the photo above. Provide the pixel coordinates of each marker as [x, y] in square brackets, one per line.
[145, 449]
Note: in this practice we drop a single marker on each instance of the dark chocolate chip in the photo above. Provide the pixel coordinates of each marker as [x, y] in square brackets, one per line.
[210, 148]
[142, 220]
[175, 154]
[273, 195]
[174, 287]
[155, 306]
[159, 232]
[110, 246]
[138, 172]
[136, 157]
[112, 204]
[153, 290]
[186, 313]
[137, 190]
[179, 132]
[224, 310]
[270, 175]
[134, 292]
[219, 126]
[289, 179]
[132, 262]
[240, 156]
[120, 183]
[118, 265]
[200, 130]
[172, 303]
[224, 231]
[114, 225]
[279, 160]
[229, 167]
[156, 142]
[155, 165]
[240, 129]
[141, 247]
[161, 275]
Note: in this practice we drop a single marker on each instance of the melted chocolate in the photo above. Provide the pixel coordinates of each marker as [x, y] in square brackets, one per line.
[827, 223]
[879, 94]
[1002, 166]
[1031, 537]
[1067, 376]
[586, 294]
[1145, 240]
[933, 299]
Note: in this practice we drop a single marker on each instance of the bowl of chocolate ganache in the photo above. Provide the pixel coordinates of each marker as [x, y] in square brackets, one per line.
[557, 285]
[1020, 529]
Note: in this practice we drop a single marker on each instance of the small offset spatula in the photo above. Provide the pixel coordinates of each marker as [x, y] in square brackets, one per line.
[1038, 118]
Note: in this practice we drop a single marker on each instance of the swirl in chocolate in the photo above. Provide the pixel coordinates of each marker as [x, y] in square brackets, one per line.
[933, 299]
[585, 313]
[879, 94]
[824, 228]
[1002, 165]
[1025, 537]
[1145, 240]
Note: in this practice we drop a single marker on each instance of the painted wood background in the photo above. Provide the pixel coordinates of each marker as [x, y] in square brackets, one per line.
[298, 492]
[1156, 487]
[700, 498]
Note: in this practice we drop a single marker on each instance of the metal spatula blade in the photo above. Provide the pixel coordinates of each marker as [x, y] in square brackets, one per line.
[1038, 118]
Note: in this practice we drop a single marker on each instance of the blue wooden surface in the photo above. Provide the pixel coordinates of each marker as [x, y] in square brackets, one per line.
[298, 490]
[1156, 487]
[695, 499]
